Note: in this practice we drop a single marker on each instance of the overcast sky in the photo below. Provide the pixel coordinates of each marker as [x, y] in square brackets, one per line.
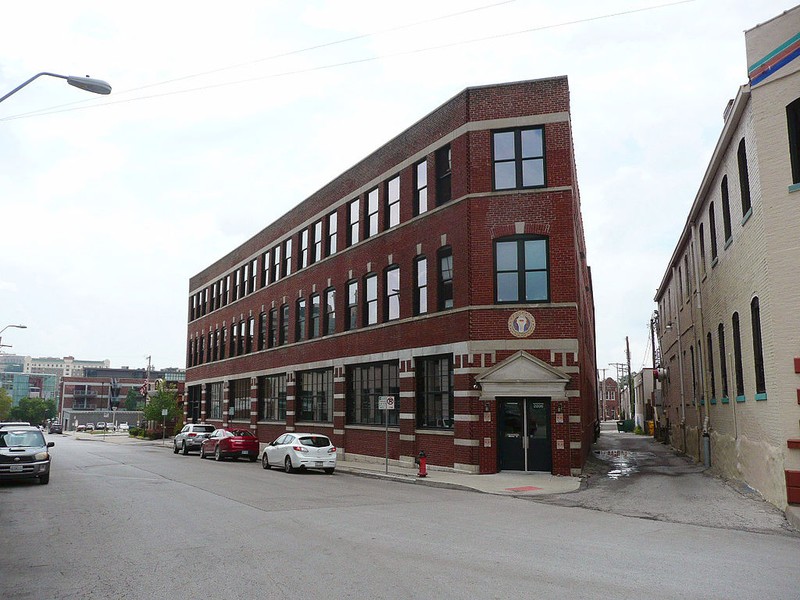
[224, 116]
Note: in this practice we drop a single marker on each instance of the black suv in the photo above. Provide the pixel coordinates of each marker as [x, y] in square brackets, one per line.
[24, 453]
[55, 428]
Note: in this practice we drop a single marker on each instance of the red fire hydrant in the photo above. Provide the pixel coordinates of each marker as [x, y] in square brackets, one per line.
[422, 460]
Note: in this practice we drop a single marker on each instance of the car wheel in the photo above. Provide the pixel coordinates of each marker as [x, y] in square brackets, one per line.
[287, 465]
[174, 448]
[44, 479]
[184, 449]
[217, 453]
[329, 470]
[265, 461]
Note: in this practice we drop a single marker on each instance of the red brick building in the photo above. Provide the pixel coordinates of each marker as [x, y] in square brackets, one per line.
[446, 270]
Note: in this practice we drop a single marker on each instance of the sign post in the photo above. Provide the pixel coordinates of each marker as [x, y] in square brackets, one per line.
[386, 403]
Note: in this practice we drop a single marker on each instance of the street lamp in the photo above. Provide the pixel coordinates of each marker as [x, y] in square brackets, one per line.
[96, 86]
[6, 327]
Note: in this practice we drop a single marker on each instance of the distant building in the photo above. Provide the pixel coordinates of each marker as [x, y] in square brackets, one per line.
[609, 398]
[67, 366]
[728, 329]
[27, 385]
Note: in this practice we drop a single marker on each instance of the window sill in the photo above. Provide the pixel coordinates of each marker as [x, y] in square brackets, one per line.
[725, 400]
[760, 397]
[747, 216]
[714, 262]
[728, 242]
[713, 401]
[795, 187]
[741, 398]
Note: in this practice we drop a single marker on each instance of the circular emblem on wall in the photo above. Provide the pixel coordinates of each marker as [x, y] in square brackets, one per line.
[521, 323]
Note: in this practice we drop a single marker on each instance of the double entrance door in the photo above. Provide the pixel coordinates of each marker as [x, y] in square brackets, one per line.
[524, 434]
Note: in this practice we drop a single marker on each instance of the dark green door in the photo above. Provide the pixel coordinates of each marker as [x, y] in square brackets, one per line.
[524, 434]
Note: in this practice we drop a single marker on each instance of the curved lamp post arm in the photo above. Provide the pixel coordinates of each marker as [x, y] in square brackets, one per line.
[96, 86]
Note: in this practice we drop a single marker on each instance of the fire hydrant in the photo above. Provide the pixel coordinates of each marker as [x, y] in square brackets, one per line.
[422, 461]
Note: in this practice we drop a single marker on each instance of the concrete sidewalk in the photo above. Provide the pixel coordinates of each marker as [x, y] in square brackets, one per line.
[506, 483]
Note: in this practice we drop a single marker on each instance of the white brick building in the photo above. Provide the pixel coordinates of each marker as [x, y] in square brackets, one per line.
[729, 329]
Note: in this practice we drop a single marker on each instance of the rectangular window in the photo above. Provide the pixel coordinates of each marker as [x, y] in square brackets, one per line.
[688, 277]
[215, 345]
[393, 202]
[434, 377]
[518, 158]
[265, 269]
[300, 331]
[214, 297]
[712, 231]
[445, 256]
[521, 269]
[241, 399]
[723, 366]
[737, 356]
[744, 178]
[365, 385]
[276, 263]
[223, 342]
[245, 280]
[242, 341]
[287, 257]
[272, 397]
[273, 328]
[370, 300]
[372, 213]
[315, 396]
[421, 187]
[793, 126]
[353, 222]
[726, 209]
[352, 305]
[314, 328]
[758, 350]
[303, 249]
[262, 331]
[444, 172]
[330, 311]
[420, 285]
[702, 250]
[214, 393]
[251, 334]
[316, 254]
[234, 337]
[392, 305]
[284, 333]
[332, 226]
[237, 288]
[253, 274]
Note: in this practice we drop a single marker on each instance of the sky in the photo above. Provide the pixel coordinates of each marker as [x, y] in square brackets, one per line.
[224, 116]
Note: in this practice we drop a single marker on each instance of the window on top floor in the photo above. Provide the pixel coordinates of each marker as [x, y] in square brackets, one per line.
[444, 174]
[276, 263]
[518, 156]
[793, 127]
[316, 251]
[372, 213]
[287, 257]
[265, 268]
[522, 269]
[353, 222]
[712, 231]
[726, 209]
[393, 202]
[237, 285]
[332, 227]
[744, 177]
[303, 256]
[421, 187]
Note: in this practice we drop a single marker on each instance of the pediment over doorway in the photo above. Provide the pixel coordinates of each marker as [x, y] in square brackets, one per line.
[523, 375]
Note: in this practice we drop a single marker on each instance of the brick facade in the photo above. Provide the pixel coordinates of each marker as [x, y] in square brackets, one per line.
[474, 334]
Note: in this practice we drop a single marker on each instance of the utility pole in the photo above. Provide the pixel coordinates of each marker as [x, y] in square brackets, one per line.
[620, 367]
[630, 377]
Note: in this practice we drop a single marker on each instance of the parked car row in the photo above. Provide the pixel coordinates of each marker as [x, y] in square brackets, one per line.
[291, 451]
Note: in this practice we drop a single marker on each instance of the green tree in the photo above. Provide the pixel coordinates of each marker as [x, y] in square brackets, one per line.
[34, 410]
[5, 404]
[159, 401]
[133, 400]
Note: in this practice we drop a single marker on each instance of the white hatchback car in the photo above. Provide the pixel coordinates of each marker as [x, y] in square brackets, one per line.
[297, 451]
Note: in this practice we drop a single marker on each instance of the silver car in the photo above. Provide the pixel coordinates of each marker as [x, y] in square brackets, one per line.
[299, 451]
[24, 454]
[191, 437]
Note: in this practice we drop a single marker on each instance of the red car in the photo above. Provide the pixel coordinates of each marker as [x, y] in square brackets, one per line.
[230, 443]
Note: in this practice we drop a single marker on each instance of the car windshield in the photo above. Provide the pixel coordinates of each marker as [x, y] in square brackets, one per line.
[318, 441]
[24, 439]
[208, 428]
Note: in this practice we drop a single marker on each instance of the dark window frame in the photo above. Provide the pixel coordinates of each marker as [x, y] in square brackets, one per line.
[435, 392]
[519, 160]
[726, 209]
[445, 296]
[373, 380]
[314, 396]
[420, 287]
[521, 269]
[421, 187]
[758, 347]
[443, 163]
